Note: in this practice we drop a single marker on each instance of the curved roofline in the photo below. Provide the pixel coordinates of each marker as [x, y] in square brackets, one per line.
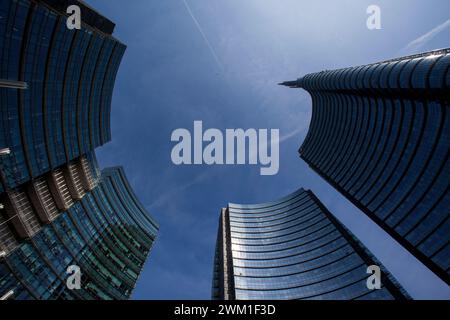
[269, 203]
[298, 82]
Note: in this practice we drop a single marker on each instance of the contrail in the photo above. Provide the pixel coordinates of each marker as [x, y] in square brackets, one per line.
[168, 196]
[211, 49]
[419, 42]
[290, 135]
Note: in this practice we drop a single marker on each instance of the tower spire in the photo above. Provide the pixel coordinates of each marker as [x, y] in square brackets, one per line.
[290, 84]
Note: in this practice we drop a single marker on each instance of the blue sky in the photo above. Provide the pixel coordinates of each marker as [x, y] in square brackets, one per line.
[221, 65]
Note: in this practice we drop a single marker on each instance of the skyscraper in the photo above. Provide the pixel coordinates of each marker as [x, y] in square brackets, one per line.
[57, 211]
[107, 235]
[380, 134]
[56, 86]
[292, 248]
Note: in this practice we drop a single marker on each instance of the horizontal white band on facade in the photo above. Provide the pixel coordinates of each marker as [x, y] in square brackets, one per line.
[5, 83]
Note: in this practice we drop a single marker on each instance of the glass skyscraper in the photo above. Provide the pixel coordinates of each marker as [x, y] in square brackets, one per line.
[56, 86]
[292, 248]
[380, 134]
[57, 209]
[107, 234]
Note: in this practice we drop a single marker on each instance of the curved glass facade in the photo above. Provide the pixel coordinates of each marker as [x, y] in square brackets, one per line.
[70, 74]
[56, 209]
[107, 234]
[380, 134]
[292, 248]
